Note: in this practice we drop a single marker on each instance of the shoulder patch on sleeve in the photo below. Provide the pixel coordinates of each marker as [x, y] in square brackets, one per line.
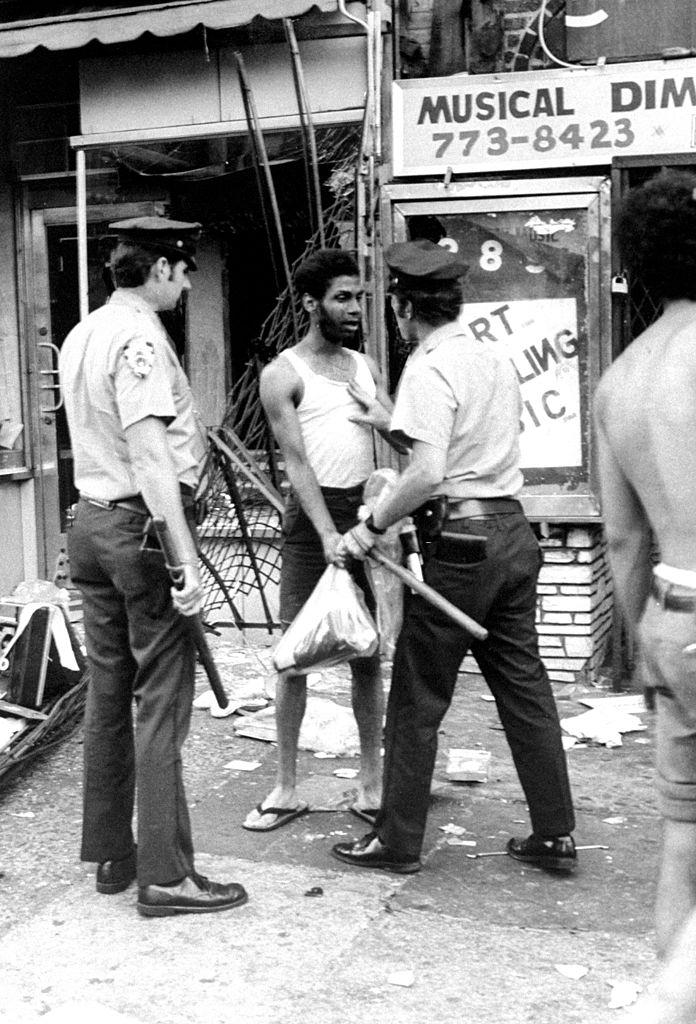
[140, 356]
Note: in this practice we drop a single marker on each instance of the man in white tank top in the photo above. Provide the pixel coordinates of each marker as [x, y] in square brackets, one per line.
[307, 395]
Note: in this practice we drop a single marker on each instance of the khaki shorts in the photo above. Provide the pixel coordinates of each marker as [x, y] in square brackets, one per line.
[672, 674]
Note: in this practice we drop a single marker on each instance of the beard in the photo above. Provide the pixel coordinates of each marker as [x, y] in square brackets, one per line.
[331, 330]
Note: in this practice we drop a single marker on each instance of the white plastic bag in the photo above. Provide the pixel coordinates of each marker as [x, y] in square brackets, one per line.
[332, 626]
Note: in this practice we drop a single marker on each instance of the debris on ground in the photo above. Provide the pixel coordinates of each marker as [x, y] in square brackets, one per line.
[623, 993]
[327, 726]
[467, 765]
[630, 703]
[602, 725]
[245, 695]
[572, 971]
[452, 829]
[404, 978]
[243, 766]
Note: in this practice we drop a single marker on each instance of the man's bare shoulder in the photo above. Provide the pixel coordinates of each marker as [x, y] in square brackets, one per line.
[279, 380]
[609, 385]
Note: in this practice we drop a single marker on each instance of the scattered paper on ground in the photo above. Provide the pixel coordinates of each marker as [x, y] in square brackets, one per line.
[631, 703]
[346, 773]
[487, 696]
[244, 693]
[614, 821]
[403, 978]
[243, 766]
[461, 842]
[623, 993]
[452, 829]
[327, 727]
[572, 971]
[467, 765]
[602, 725]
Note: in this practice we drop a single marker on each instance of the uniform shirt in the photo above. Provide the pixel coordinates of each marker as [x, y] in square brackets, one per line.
[461, 396]
[118, 367]
[340, 453]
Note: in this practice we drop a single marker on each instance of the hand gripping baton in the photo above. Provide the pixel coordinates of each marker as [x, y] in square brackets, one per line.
[192, 622]
[437, 600]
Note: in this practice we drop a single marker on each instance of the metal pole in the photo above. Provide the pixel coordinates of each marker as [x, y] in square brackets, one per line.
[257, 137]
[305, 110]
[82, 265]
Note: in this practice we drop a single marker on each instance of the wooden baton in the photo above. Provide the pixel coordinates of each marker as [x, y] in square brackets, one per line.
[430, 595]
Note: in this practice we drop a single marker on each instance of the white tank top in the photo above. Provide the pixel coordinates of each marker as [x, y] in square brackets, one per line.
[341, 453]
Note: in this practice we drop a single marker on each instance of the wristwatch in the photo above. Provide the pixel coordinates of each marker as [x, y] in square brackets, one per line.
[370, 524]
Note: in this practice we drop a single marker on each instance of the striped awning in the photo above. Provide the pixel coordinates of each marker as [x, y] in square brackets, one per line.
[123, 24]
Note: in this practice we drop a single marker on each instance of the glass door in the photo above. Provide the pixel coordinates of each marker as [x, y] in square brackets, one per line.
[536, 286]
[52, 309]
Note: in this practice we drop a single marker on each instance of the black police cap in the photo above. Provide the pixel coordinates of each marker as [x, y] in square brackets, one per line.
[175, 239]
[423, 264]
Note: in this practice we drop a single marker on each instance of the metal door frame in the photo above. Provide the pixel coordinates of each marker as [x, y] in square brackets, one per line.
[40, 359]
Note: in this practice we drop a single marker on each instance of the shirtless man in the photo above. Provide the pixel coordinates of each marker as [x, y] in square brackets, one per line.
[645, 411]
[307, 393]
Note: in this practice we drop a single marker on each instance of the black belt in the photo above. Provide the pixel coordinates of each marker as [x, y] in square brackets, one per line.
[133, 504]
[481, 508]
[664, 593]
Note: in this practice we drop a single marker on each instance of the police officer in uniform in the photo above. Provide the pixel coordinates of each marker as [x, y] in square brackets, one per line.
[137, 446]
[458, 406]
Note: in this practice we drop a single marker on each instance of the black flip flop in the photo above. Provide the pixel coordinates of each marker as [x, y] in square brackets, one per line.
[284, 815]
[368, 814]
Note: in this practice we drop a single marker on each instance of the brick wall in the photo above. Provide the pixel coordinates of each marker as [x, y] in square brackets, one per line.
[574, 604]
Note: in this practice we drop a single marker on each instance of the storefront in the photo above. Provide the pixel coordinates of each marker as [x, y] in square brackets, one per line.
[141, 109]
[519, 174]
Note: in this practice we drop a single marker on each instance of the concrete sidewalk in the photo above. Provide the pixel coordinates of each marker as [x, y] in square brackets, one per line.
[479, 938]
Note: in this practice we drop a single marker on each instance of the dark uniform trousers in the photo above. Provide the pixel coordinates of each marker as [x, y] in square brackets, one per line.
[500, 593]
[136, 649]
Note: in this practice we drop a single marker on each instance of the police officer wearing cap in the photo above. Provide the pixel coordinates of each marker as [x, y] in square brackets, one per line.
[138, 446]
[458, 407]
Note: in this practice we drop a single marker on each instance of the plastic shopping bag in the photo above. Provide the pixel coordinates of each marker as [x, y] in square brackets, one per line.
[332, 626]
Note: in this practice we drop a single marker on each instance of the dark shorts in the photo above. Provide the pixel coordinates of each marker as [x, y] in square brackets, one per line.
[303, 562]
[672, 674]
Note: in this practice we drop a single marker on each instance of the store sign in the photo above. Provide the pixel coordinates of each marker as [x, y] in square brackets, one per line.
[540, 337]
[561, 118]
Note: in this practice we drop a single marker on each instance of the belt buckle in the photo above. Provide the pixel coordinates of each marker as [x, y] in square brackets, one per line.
[100, 503]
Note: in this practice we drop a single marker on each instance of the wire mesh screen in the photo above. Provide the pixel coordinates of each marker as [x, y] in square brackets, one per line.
[243, 482]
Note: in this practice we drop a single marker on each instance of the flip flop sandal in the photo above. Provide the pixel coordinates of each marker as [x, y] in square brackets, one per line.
[368, 814]
[283, 815]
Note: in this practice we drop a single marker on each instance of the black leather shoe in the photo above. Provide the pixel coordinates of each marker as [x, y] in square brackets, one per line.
[370, 852]
[116, 875]
[196, 894]
[551, 854]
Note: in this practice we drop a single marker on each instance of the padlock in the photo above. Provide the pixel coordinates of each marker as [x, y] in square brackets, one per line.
[619, 285]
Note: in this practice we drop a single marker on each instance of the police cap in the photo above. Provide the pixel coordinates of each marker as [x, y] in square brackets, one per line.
[174, 239]
[422, 264]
